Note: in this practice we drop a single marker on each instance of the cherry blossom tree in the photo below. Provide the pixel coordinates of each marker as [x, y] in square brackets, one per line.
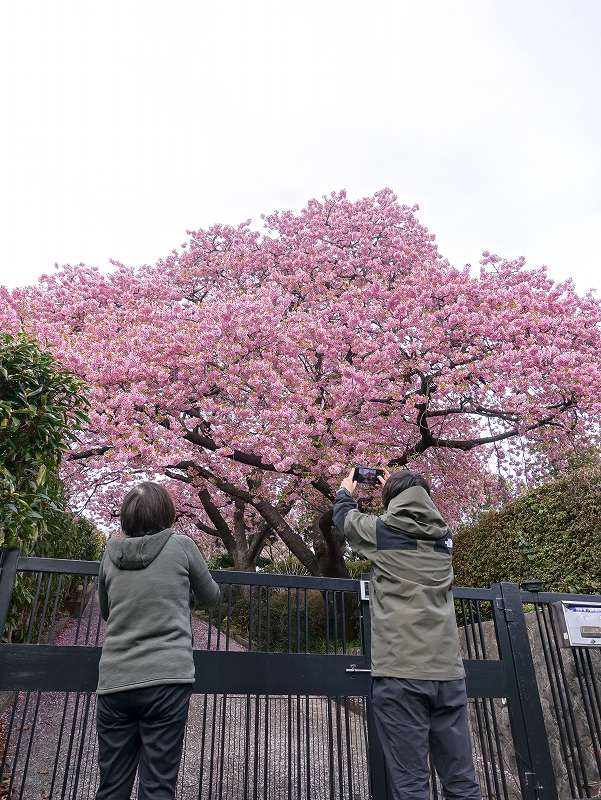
[250, 368]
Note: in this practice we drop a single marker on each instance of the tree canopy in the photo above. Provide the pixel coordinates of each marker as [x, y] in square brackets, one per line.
[249, 368]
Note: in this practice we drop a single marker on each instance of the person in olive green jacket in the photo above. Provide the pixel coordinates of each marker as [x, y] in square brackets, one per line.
[418, 680]
[147, 582]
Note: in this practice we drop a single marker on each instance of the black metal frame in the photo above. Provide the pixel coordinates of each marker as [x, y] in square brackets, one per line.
[256, 672]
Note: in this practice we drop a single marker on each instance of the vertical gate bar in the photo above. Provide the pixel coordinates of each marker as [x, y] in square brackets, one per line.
[82, 741]
[558, 702]
[375, 754]
[218, 624]
[595, 688]
[212, 749]
[81, 609]
[299, 734]
[33, 611]
[307, 646]
[30, 745]
[480, 650]
[330, 747]
[537, 751]
[47, 595]
[90, 610]
[349, 751]
[335, 613]
[9, 560]
[60, 743]
[258, 636]
[224, 708]
[266, 749]
[472, 650]
[571, 725]
[229, 616]
[57, 598]
[203, 739]
[9, 734]
[308, 747]
[70, 747]
[246, 745]
[491, 705]
[298, 620]
[18, 745]
[289, 733]
[337, 702]
[256, 749]
[587, 701]
[514, 705]
[490, 708]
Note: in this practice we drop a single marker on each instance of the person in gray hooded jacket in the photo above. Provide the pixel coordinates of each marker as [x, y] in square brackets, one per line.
[418, 685]
[146, 584]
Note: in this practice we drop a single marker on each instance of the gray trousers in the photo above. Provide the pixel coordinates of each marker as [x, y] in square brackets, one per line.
[141, 729]
[417, 718]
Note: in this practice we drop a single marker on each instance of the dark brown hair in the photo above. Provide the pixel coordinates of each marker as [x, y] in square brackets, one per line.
[147, 508]
[399, 481]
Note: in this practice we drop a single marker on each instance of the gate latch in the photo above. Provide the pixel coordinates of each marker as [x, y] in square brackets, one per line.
[508, 612]
[533, 784]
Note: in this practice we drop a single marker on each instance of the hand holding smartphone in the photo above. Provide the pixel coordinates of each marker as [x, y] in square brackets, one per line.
[368, 475]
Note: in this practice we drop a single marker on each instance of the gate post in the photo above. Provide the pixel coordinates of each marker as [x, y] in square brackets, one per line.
[533, 755]
[378, 783]
[8, 573]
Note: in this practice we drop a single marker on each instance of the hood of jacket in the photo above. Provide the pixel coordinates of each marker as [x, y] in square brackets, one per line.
[137, 552]
[413, 512]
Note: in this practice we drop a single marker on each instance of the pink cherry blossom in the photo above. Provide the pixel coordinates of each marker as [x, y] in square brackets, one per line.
[249, 368]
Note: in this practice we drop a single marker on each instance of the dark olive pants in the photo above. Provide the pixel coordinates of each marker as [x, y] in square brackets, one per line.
[415, 719]
[142, 729]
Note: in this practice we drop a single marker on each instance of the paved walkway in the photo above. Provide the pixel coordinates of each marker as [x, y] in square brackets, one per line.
[286, 747]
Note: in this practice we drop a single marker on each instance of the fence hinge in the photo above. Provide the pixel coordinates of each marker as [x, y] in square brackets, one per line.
[508, 612]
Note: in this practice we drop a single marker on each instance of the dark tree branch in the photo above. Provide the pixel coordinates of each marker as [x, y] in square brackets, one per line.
[93, 451]
[428, 440]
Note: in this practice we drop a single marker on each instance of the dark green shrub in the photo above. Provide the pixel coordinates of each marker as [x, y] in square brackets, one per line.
[41, 409]
[551, 533]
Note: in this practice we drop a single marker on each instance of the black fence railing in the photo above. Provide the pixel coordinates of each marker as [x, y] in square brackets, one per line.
[282, 705]
[569, 681]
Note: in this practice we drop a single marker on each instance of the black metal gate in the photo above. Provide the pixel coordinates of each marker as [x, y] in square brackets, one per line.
[281, 706]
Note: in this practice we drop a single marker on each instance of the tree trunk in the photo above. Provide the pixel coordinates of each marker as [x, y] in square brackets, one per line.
[329, 547]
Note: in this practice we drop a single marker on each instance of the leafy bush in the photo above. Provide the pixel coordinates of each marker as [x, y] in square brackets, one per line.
[41, 409]
[295, 620]
[551, 533]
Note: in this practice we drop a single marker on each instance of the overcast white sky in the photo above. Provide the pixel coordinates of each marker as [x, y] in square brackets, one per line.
[125, 123]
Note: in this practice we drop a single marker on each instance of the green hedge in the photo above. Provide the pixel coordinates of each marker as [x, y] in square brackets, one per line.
[551, 533]
[42, 406]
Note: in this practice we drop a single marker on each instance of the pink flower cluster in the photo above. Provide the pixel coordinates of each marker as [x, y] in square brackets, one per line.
[336, 336]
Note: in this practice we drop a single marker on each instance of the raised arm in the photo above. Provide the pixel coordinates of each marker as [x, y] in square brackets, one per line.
[206, 591]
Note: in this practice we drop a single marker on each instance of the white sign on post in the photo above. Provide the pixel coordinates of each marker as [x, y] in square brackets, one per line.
[580, 622]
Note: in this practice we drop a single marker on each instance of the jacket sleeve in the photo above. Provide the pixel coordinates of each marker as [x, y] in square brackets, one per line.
[358, 528]
[103, 598]
[206, 591]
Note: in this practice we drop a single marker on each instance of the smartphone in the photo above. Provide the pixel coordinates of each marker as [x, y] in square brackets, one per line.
[367, 475]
